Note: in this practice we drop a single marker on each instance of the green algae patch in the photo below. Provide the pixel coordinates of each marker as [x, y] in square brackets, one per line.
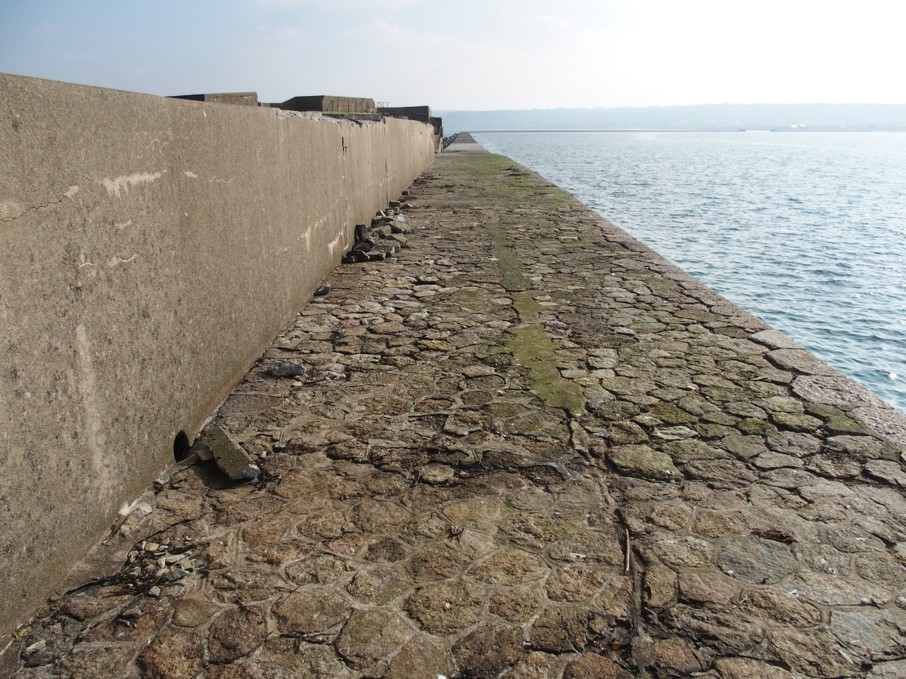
[533, 350]
[528, 309]
[510, 182]
[489, 165]
[533, 193]
[528, 342]
[507, 262]
[670, 414]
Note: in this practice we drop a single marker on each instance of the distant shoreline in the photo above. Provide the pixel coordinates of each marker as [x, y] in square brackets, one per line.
[706, 118]
[664, 129]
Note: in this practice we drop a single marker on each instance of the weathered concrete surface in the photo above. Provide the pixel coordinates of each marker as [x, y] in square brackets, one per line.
[150, 250]
[491, 427]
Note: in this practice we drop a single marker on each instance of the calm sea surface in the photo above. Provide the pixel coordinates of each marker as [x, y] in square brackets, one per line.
[805, 230]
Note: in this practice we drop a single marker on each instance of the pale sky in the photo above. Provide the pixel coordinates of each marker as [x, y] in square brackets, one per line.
[471, 54]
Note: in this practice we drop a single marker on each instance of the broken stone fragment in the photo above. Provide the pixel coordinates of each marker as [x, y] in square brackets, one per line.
[34, 648]
[323, 290]
[389, 248]
[229, 455]
[401, 224]
[354, 257]
[361, 233]
[285, 369]
[174, 575]
[426, 280]
[401, 228]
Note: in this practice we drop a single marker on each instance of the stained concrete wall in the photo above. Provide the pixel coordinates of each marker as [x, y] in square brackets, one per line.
[150, 249]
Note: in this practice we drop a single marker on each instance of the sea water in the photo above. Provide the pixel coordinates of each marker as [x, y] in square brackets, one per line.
[806, 230]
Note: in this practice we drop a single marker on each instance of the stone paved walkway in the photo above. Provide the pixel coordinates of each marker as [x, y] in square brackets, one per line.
[526, 446]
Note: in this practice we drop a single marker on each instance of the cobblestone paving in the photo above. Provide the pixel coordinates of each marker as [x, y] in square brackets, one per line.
[526, 446]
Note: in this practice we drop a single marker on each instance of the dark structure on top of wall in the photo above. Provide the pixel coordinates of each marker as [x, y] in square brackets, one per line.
[419, 113]
[354, 108]
[240, 98]
[329, 104]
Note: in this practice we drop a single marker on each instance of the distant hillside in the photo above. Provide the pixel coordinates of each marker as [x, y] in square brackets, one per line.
[708, 117]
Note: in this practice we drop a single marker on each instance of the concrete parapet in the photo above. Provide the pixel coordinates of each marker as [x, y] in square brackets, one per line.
[150, 249]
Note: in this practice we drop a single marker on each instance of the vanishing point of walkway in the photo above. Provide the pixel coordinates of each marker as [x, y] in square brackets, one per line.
[526, 446]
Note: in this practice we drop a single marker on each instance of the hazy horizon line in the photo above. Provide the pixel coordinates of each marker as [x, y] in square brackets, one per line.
[662, 106]
[691, 130]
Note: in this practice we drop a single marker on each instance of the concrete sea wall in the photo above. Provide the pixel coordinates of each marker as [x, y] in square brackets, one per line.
[150, 250]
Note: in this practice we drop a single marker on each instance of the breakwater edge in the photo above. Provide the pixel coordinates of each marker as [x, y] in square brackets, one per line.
[806, 230]
[525, 443]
